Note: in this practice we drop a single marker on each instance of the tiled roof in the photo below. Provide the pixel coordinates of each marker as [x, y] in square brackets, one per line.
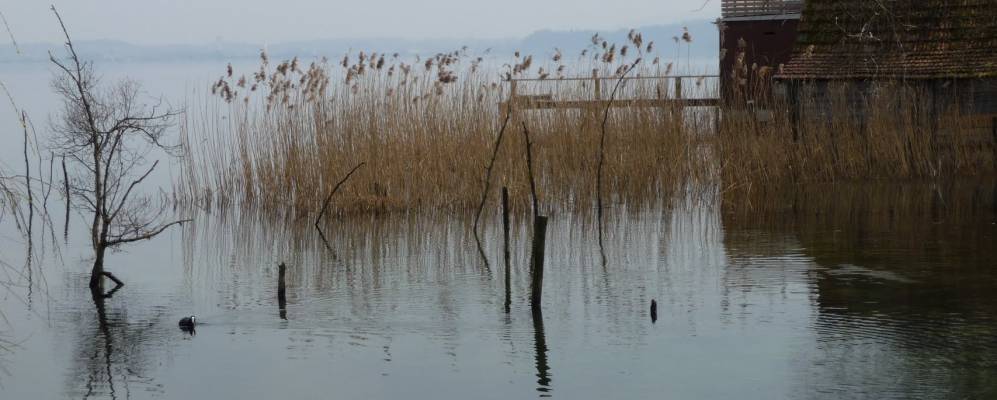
[891, 39]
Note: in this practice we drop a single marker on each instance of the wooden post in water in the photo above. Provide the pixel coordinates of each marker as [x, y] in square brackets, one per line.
[537, 261]
[678, 88]
[281, 296]
[505, 244]
[654, 311]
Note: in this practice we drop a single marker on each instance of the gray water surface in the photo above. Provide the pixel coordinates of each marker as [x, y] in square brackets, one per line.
[876, 291]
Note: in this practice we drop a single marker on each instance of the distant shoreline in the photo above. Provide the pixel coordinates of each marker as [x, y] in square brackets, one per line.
[540, 43]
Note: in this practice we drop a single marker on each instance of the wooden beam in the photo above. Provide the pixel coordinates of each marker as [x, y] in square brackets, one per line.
[662, 103]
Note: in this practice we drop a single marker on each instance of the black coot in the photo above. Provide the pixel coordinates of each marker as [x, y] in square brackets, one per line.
[187, 324]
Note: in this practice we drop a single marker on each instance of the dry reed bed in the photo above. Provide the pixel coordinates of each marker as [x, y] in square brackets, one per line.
[286, 134]
[896, 138]
[426, 133]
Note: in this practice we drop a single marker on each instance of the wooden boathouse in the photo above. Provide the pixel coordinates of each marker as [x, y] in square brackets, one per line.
[946, 47]
[756, 38]
[942, 52]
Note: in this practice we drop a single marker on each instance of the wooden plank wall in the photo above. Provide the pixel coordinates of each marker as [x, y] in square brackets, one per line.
[746, 8]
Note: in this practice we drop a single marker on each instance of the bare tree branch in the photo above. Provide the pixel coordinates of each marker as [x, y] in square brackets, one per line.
[146, 236]
[124, 198]
[108, 133]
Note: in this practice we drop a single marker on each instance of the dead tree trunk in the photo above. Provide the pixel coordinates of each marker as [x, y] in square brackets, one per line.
[97, 272]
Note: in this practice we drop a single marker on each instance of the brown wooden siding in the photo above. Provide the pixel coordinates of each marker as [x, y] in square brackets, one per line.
[748, 46]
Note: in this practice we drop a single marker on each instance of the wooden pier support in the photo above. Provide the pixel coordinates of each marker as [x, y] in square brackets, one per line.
[281, 294]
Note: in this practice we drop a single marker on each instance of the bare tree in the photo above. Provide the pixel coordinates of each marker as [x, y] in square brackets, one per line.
[108, 133]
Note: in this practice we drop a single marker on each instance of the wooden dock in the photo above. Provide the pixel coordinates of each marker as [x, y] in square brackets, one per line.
[601, 85]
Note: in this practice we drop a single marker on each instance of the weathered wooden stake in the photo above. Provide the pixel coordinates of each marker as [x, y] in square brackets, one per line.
[529, 171]
[537, 261]
[281, 295]
[505, 244]
[654, 311]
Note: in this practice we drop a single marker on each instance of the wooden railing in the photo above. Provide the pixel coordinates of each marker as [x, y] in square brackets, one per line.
[748, 8]
[673, 96]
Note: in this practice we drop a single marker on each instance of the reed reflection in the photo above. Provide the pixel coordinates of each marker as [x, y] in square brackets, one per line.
[421, 273]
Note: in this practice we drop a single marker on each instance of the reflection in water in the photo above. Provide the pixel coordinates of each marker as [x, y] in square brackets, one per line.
[885, 291]
[540, 346]
[108, 348]
[113, 354]
[6, 347]
[905, 284]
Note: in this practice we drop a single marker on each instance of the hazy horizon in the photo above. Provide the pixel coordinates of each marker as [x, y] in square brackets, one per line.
[182, 22]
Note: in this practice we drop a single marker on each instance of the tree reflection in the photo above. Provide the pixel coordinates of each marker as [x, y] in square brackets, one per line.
[102, 342]
[112, 354]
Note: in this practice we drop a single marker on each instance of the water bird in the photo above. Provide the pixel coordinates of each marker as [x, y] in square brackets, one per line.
[654, 311]
[187, 323]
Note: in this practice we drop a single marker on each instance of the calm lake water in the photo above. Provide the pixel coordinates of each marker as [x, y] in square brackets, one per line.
[885, 291]
[879, 291]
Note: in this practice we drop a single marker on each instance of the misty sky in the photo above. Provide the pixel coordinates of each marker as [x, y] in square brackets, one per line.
[271, 21]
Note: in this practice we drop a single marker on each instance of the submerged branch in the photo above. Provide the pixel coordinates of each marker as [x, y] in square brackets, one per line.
[328, 199]
[488, 173]
[118, 283]
[602, 153]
